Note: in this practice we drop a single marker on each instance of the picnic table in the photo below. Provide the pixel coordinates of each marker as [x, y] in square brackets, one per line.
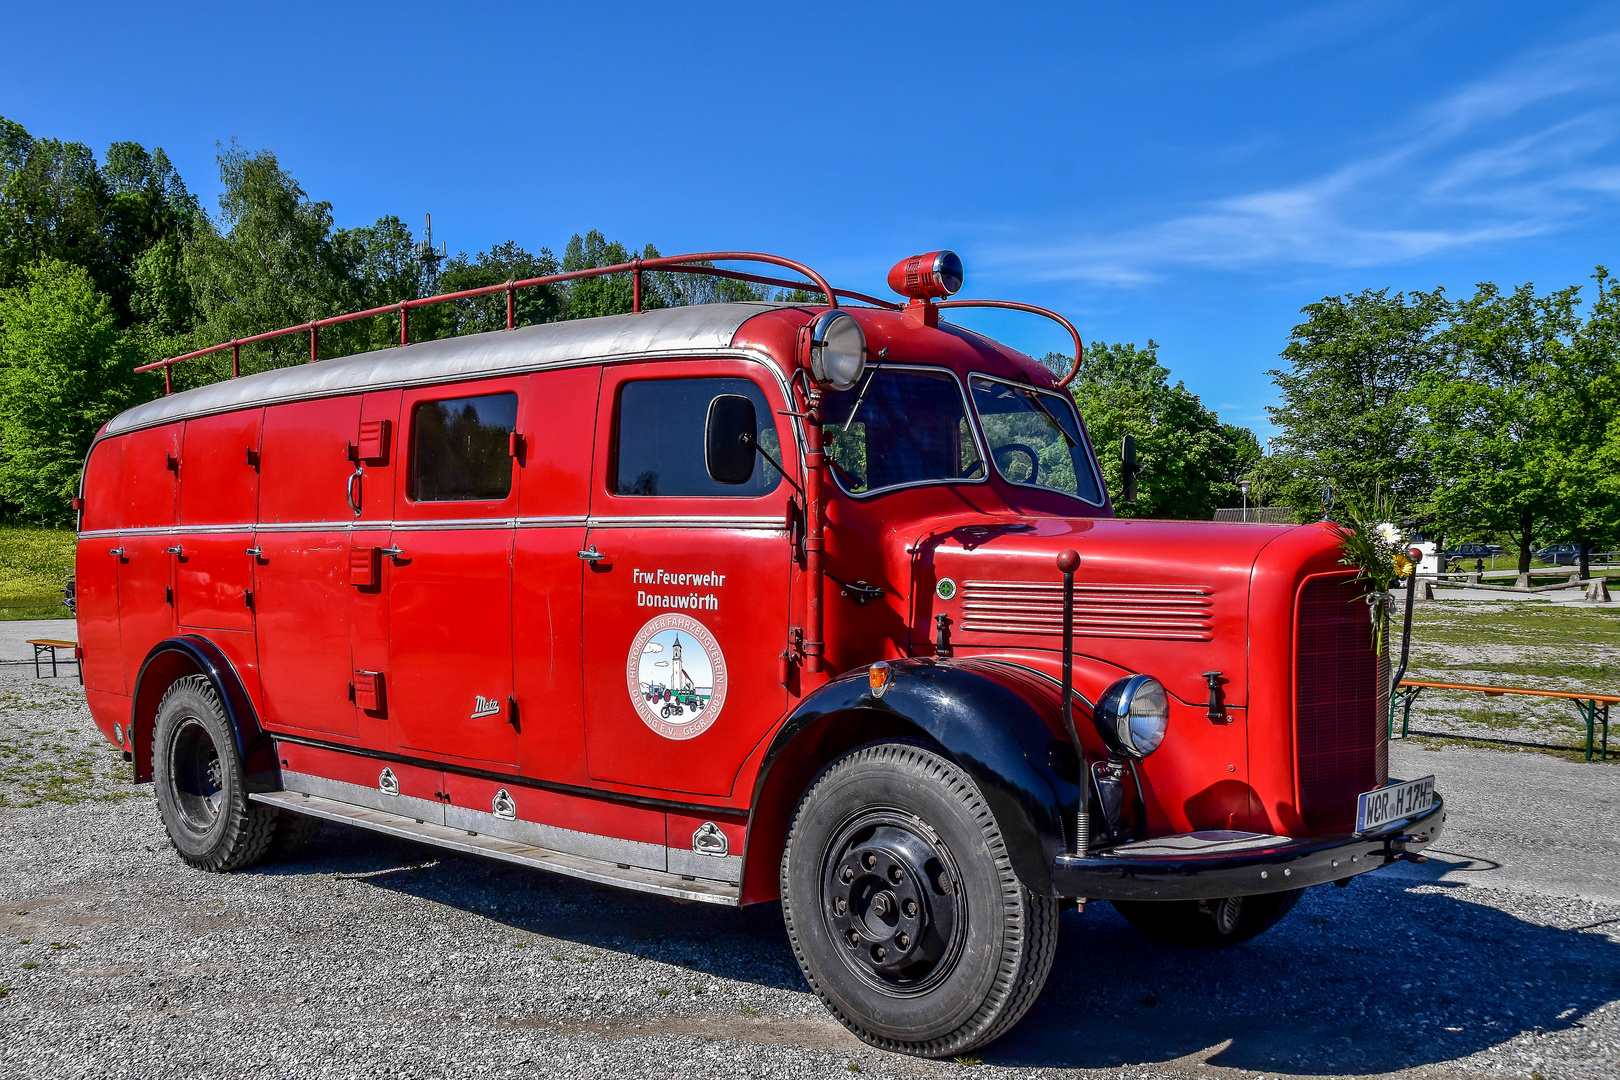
[47, 647]
[1594, 708]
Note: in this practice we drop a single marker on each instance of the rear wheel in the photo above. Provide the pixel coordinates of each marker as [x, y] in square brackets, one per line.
[201, 790]
[1209, 922]
[903, 908]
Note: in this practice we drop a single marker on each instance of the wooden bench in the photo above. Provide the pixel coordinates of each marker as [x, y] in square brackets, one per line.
[1594, 708]
[48, 646]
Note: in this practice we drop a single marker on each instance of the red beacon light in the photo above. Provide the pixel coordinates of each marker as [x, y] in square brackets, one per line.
[931, 276]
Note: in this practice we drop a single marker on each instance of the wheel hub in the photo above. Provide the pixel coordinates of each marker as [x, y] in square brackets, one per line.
[891, 898]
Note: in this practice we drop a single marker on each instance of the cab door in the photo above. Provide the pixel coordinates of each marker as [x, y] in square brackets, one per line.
[449, 679]
[687, 582]
[146, 551]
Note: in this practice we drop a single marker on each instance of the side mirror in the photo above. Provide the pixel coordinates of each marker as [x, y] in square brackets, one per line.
[728, 439]
[1129, 468]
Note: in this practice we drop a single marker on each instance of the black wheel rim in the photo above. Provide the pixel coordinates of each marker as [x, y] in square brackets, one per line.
[196, 776]
[893, 902]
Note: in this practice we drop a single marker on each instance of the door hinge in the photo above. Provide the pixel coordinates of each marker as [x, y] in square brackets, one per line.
[793, 654]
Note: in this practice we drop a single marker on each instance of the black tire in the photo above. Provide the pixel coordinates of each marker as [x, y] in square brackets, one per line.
[294, 832]
[201, 791]
[1209, 922]
[930, 970]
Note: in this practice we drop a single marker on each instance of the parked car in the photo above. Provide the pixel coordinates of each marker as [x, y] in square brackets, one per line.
[1467, 553]
[1564, 554]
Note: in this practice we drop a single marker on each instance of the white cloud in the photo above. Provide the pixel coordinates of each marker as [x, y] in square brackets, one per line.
[1529, 151]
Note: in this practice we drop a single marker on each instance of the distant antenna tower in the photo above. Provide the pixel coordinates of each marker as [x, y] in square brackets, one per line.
[426, 254]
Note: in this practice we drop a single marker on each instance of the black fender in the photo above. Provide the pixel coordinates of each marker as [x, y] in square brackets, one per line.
[192, 654]
[998, 721]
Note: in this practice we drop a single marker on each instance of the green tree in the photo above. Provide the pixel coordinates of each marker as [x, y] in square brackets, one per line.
[612, 294]
[272, 259]
[1190, 460]
[1580, 416]
[1489, 413]
[65, 369]
[1345, 416]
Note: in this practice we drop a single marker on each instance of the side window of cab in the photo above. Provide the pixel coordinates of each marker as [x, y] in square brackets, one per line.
[658, 439]
[462, 449]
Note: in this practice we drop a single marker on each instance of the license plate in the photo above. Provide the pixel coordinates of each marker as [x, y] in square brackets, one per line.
[1392, 803]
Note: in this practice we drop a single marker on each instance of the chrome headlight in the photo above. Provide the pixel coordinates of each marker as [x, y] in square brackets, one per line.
[837, 349]
[1132, 715]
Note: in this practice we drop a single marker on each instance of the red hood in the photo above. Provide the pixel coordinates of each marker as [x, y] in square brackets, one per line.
[1167, 598]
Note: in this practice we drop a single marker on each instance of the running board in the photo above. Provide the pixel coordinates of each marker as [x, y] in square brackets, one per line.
[574, 866]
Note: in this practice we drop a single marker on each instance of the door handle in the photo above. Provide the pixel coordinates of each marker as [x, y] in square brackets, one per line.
[174, 550]
[393, 553]
[591, 555]
[352, 493]
[118, 551]
[256, 552]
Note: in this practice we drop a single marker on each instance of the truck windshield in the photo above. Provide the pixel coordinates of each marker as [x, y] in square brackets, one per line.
[1035, 438]
[898, 427]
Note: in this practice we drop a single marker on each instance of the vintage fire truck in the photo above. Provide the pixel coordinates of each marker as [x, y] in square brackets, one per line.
[819, 602]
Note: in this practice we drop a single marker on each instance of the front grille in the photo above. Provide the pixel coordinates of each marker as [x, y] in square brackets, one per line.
[1341, 703]
[1156, 612]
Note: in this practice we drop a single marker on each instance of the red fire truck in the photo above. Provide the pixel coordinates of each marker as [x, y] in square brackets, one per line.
[819, 602]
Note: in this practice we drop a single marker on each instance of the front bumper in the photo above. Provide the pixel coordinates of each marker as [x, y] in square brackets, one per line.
[1211, 865]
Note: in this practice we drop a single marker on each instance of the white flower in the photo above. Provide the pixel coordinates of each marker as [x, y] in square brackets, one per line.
[1389, 534]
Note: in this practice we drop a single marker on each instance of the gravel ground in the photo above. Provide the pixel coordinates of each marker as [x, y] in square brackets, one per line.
[369, 957]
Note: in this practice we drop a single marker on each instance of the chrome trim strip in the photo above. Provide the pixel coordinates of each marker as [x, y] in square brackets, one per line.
[575, 866]
[373, 798]
[609, 849]
[689, 521]
[685, 861]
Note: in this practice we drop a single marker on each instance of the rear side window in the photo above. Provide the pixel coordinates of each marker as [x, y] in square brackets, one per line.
[659, 439]
[461, 448]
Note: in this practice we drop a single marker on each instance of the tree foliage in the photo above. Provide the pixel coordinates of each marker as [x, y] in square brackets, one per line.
[65, 369]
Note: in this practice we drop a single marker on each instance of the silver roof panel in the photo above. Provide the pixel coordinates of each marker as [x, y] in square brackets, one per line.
[694, 329]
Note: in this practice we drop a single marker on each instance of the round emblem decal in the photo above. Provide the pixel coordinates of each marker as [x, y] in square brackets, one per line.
[945, 589]
[676, 676]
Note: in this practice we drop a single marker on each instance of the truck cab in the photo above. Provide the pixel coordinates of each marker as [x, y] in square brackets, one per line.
[733, 603]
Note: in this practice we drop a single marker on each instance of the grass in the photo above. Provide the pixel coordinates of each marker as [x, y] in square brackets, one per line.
[34, 565]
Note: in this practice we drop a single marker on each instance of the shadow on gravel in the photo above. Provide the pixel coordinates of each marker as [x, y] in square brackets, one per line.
[748, 945]
[1368, 979]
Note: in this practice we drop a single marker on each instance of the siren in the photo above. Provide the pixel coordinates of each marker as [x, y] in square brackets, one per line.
[930, 276]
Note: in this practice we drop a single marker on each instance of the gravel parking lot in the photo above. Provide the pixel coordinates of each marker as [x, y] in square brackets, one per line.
[369, 957]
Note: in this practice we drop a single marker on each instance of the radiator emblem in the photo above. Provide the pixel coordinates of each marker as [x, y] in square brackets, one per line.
[504, 806]
[388, 783]
[945, 589]
[483, 706]
[709, 840]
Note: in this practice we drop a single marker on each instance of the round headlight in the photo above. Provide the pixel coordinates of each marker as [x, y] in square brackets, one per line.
[1132, 715]
[837, 350]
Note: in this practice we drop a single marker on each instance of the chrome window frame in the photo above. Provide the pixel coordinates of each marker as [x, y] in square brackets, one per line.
[1080, 423]
[973, 426]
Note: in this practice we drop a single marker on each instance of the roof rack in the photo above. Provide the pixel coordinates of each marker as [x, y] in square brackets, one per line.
[678, 264]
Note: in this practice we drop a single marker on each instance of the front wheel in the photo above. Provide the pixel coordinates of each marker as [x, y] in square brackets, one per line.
[1209, 922]
[903, 908]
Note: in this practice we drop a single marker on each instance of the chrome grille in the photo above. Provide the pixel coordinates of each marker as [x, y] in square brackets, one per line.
[1341, 703]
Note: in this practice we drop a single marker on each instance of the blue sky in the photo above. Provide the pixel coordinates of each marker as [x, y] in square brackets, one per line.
[1188, 173]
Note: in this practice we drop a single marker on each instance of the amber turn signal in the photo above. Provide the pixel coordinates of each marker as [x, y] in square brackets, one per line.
[878, 676]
